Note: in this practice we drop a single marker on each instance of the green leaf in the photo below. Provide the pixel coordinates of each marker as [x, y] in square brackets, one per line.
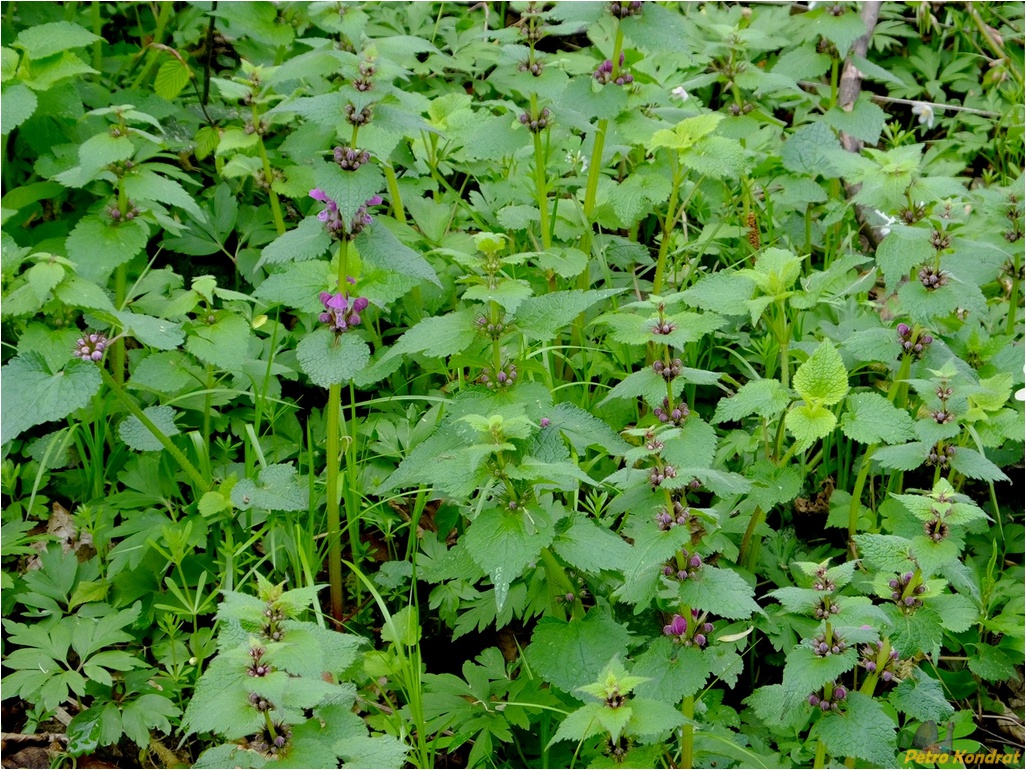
[17, 103]
[585, 430]
[766, 398]
[32, 395]
[863, 730]
[902, 457]
[723, 293]
[643, 570]
[811, 150]
[822, 378]
[869, 418]
[223, 344]
[147, 712]
[349, 189]
[307, 241]
[991, 664]
[864, 122]
[144, 184]
[80, 293]
[154, 332]
[809, 423]
[42, 40]
[172, 77]
[673, 672]
[299, 286]
[974, 465]
[96, 246]
[806, 672]
[589, 547]
[722, 592]
[139, 437]
[379, 247]
[842, 31]
[901, 250]
[275, 489]
[887, 553]
[508, 293]
[330, 359]
[571, 654]
[956, 612]
[921, 697]
[687, 133]
[542, 318]
[503, 543]
[438, 336]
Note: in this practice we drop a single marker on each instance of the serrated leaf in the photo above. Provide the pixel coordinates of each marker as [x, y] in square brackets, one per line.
[806, 672]
[379, 247]
[766, 398]
[144, 184]
[992, 664]
[155, 332]
[673, 672]
[299, 286]
[275, 489]
[97, 247]
[901, 250]
[508, 293]
[307, 241]
[921, 697]
[809, 423]
[811, 150]
[864, 122]
[330, 359]
[822, 378]
[973, 465]
[42, 40]
[224, 343]
[571, 654]
[583, 429]
[591, 548]
[722, 592]
[349, 189]
[32, 395]
[542, 318]
[863, 730]
[887, 553]
[17, 103]
[503, 544]
[172, 77]
[902, 457]
[869, 418]
[723, 293]
[139, 437]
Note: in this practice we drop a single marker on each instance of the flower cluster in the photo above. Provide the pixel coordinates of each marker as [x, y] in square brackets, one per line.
[364, 83]
[493, 330]
[940, 454]
[663, 327]
[870, 654]
[341, 312]
[833, 695]
[534, 67]
[622, 10]
[678, 629]
[272, 739]
[260, 703]
[680, 517]
[537, 123]
[932, 278]
[131, 212]
[668, 371]
[824, 648]
[357, 117]
[905, 597]
[350, 158]
[504, 378]
[604, 73]
[674, 414]
[692, 562]
[90, 347]
[936, 529]
[912, 342]
[660, 473]
[822, 582]
[336, 226]
[258, 668]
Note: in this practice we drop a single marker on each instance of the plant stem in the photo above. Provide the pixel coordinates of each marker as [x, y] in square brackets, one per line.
[687, 735]
[190, 470]
[668, 223]
[279, 221]
[541, 191]
[393, 191]
[748, 553]
[820, 760]
[1013, 297]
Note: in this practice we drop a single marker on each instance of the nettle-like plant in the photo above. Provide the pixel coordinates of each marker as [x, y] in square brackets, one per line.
[275, 693]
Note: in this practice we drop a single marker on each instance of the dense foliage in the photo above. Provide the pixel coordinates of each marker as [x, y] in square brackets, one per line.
[515, 384]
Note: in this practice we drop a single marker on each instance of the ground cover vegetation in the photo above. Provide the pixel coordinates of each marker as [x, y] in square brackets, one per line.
[512, 384]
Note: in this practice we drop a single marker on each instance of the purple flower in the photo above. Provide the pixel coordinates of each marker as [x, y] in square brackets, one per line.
[544, 422]
[678, 627]
[341, 312]
[90, 347]
[336, 226]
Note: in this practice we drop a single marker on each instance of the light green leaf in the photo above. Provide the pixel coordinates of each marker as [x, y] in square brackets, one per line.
[973, 465]
[379, 247]
[307, 241]
[139, 437]
[32, 395]
[275, 489]
[591, 548]
[811, 150]
[902, 457]
[508, 293]
[673, 672]
[438, 336]
[571, 654]
[869, 418]
[921, 697]
[224, 343]
[330, 359]
[172, 77]
[808, 424]
[722, 592]
[96, 246]
[542, 318]
[864, 730]
[299, 286]
[17, 103]
[503, 543]
[42, 40]
[822, 378]
[156, 332]
[766, 398]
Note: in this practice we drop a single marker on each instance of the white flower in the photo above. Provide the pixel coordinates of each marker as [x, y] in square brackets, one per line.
[925, 113]
[886, 228]
[576, 159]
[680, 93]
[813, 3]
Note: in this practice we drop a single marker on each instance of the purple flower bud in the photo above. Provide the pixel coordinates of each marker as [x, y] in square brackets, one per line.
[677, 627]
[927, 339]
[360, 304]
[892, 583]
[682, 575]
[870, 666]
[840, 693]
[909, 601]
[824, 705]
[887, 676]
[707, 628]
[700, 640]
[813, 700]
[904, 330]
[668, 571]
[695, 561]
[545, 422]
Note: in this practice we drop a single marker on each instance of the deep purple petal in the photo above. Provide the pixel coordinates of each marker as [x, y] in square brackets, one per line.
[319, 195]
